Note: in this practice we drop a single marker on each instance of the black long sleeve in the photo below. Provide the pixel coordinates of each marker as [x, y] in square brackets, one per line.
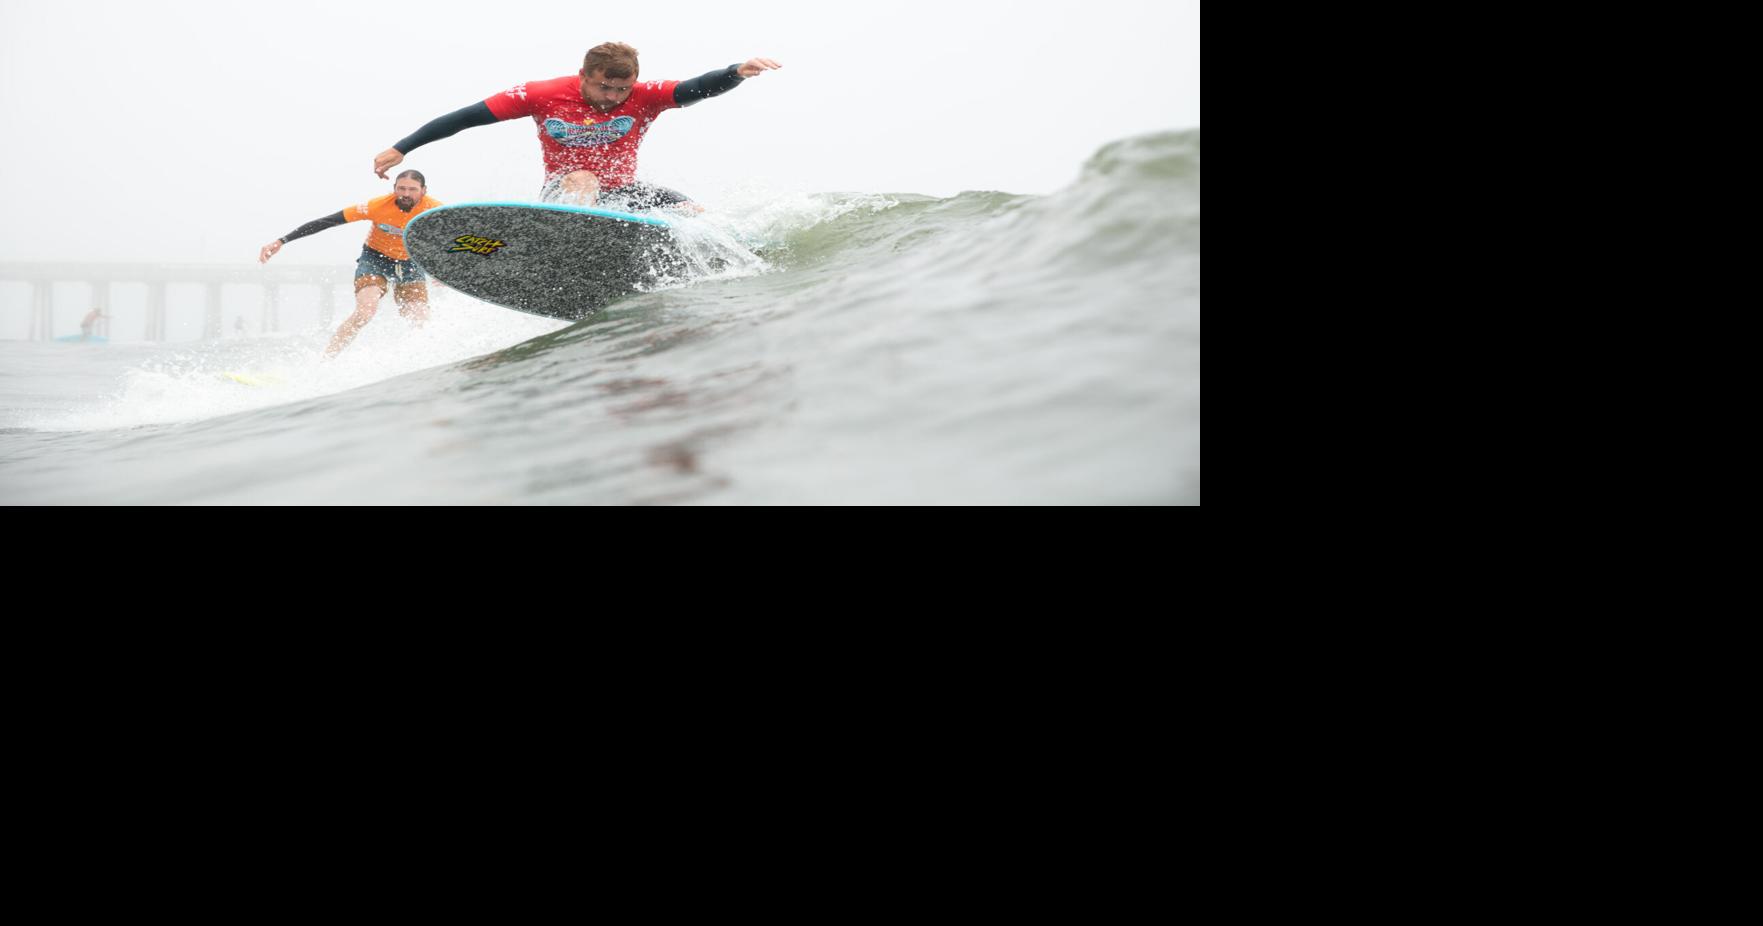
[705, 86]
[315, 226]
[446, 126]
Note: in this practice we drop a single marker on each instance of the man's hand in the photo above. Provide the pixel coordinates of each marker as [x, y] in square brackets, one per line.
[268, 251]
[388, 159]
[753, 68]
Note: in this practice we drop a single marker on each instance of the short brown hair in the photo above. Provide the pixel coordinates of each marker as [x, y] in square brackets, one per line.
[614, 59]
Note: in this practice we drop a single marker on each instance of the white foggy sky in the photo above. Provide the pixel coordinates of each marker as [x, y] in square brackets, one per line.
[197, 131]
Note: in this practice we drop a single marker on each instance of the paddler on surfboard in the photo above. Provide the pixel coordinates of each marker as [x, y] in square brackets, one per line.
[590, 125]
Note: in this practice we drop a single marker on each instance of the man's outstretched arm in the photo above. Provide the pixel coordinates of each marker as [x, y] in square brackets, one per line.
[446, 126]
[312, 227]
[717, 83]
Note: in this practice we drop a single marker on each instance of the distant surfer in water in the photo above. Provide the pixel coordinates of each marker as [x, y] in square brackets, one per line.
[90, 322]
[590, 125]
[383, 257]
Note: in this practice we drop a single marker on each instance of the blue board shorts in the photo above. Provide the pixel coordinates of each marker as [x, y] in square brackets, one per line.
[395, 272]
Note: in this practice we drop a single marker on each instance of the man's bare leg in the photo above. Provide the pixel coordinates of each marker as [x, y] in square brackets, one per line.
[413, 302]
[368, 292]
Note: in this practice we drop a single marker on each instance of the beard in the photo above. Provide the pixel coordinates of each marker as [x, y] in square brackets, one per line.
[405, 204]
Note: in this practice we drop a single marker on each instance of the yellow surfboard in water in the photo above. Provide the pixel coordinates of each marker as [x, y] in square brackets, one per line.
[253, 379]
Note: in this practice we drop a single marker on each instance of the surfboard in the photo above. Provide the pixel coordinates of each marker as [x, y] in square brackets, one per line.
[541, 258]
[251, 378]
[85, 338]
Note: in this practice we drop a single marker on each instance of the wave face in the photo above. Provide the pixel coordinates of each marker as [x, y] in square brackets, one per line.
[835, 349]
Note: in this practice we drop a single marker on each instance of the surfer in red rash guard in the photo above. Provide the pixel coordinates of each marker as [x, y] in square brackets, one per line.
[590, 125]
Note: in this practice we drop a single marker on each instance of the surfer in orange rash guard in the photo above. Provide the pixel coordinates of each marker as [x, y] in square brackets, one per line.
[590, 125]
[383, 258]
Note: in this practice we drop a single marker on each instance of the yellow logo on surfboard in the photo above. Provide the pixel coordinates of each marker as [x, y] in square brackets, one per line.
[476, 244]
